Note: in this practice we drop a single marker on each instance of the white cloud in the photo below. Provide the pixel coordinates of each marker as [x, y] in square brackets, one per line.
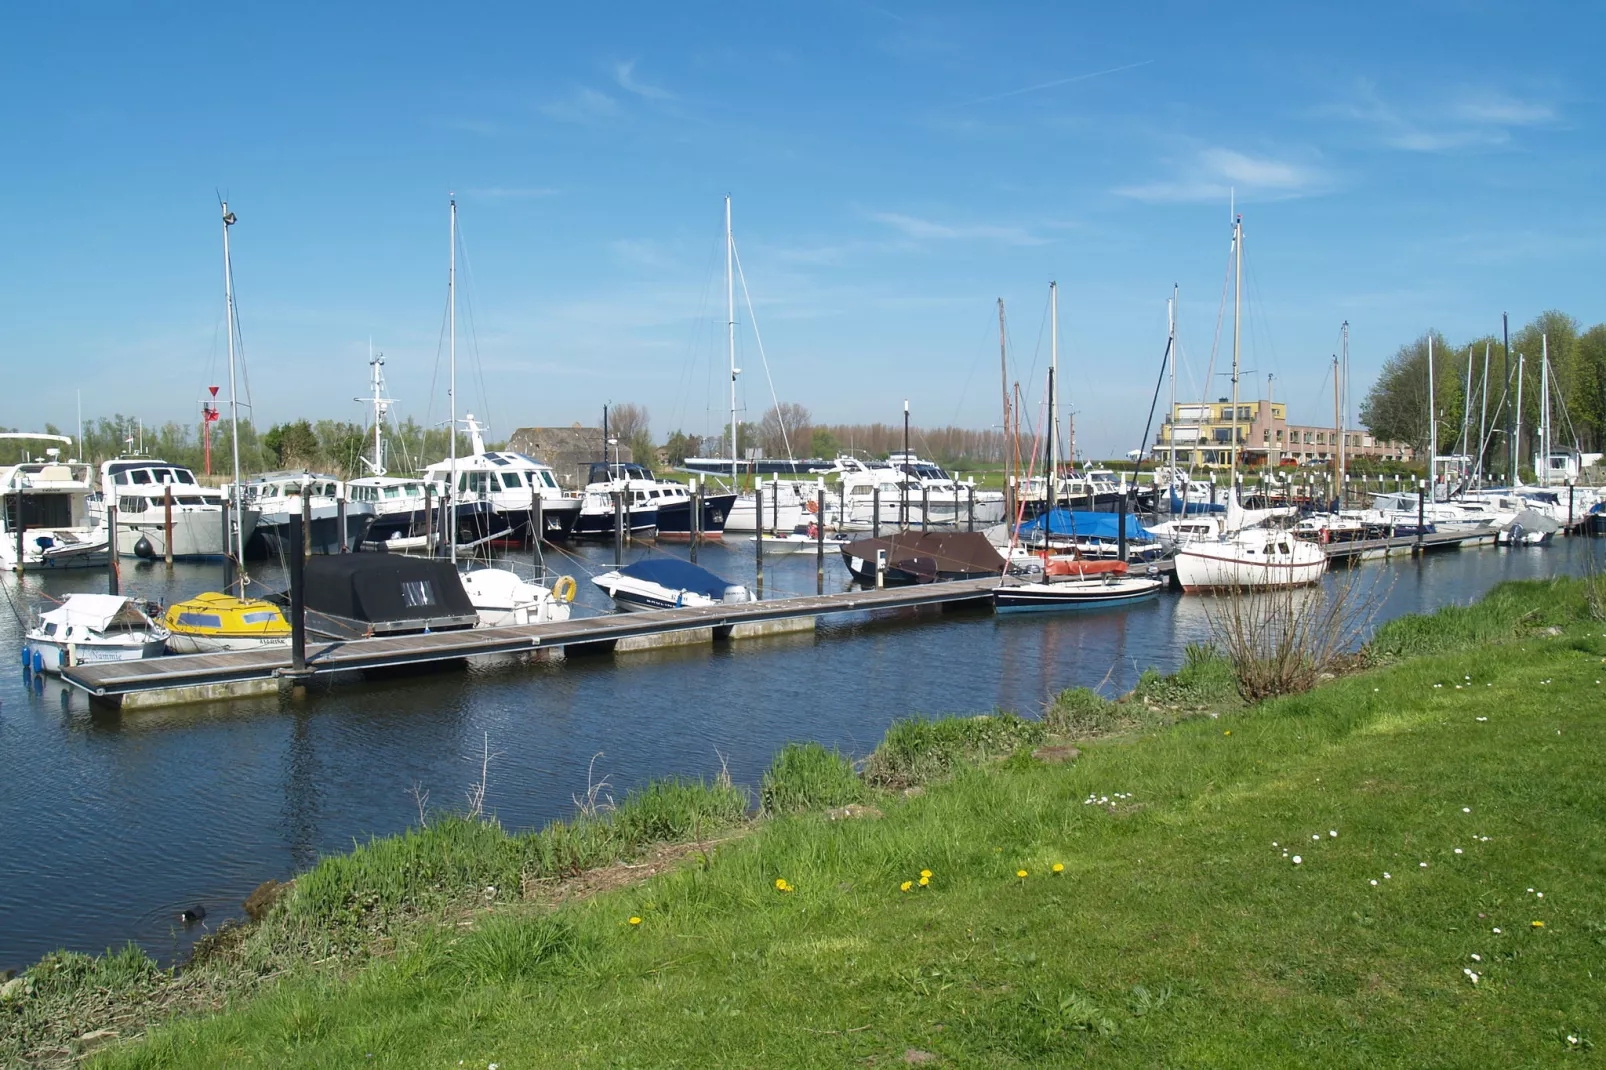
[582, 106]
[928, 230]
[624, 74]
[1469, 118]
[1213, 174]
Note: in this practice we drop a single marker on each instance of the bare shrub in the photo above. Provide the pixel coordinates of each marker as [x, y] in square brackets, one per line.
[476, 791]
[1281, 641]
[596, 799]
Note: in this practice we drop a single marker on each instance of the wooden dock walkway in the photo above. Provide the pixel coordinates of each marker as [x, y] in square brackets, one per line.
[204, 677]
[1399, 545]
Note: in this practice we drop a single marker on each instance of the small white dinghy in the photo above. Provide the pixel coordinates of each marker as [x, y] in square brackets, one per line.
[668, 583]
[502, 597]
[803, 539]
[91, 628]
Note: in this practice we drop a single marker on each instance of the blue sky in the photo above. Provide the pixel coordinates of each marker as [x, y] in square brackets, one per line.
[895, 168]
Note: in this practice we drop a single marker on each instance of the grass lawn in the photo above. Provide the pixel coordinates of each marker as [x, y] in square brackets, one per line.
[1309, 882]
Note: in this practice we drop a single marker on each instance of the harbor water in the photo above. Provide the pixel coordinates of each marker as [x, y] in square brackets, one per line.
[112, 823]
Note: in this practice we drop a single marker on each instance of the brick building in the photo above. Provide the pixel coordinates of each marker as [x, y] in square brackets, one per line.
[1201, 433]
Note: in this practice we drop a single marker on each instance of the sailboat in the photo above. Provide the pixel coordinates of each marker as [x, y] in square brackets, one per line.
[1246, 557]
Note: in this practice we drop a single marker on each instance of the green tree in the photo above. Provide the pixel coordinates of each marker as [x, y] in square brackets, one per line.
[823, 443]
[679, 446]
[292, 445]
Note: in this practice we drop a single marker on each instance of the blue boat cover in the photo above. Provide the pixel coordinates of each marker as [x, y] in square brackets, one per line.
[677, 575]
[1195, 508]
[1085, 525]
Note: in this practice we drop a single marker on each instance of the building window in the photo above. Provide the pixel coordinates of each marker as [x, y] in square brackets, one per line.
[1246, 412]
[1265, 434]
[1279, 436]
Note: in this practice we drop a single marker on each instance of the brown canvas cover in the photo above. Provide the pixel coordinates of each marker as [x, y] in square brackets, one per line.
[928, 554]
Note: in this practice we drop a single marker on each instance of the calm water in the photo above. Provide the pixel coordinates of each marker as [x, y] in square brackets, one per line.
[112, 823]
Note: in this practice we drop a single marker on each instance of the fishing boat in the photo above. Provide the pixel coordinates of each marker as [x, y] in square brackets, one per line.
[214, 623]
[501, 597]
[1090, 592]
[91, 629]
[668, 583]
[54, 529]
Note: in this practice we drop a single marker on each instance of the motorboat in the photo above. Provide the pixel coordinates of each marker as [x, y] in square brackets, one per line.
[668, 583]
[1175, 534]
[944, 500]
[285, 499]
[89, 629]
[152, 496]
[604, 507]
[501, 597]
[786, 505]
[55, 527]
[508, 483]
[911, 492]
[1090, 592]
[1250, 559]
[923, 557]
[804, 538]
[214, 623]
[355, 596]
[662, 505]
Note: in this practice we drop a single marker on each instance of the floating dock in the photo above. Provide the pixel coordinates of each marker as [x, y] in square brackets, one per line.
[185, 678]
[1400, 545]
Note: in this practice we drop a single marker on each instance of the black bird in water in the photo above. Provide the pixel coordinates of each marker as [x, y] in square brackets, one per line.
[192, 915]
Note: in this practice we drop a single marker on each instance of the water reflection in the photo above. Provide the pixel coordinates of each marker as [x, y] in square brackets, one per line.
[112, 823]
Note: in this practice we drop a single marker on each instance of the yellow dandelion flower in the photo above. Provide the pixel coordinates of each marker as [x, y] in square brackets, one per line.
[925, 873]
[1021, 873]
[1059, 867]
[780, 884]
[924, 881]
[905, 886]
[635, 920]
[1228, 732]
[1538, 925]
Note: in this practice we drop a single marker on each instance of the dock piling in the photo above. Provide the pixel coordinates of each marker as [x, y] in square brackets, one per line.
[1120, 530]
[696, 516]
[819, 540]
[340, 518]
[228, 542]
[875, 512]
[925, 506]
[537, 530]
[111, 544]
[429, 519]
[880, 568]
[298, 599]
[20, 532]
[1421, 512]
[970, 509]
[758, 542]
[306, 520]
[618, 527]
[167, 526]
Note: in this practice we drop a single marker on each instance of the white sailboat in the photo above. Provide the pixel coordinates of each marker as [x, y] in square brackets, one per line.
[1246, 557]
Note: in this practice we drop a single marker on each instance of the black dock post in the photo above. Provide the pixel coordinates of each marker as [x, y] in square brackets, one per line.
[819, 540]
[1569, 507]
[925, 506]
[1421, 513]
[758, 542]
[306, 520]
[537, 529]
[111, 544]
[167, 526]
[696, 517]
[340, 518]
[429, 519]
[1120, 531]
[228, 545]
[970, 509]
[298, 599]
[875, 512]
[618, 527]
[20, 531]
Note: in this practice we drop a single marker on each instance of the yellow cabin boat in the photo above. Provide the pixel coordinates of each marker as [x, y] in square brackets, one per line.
[213, 622]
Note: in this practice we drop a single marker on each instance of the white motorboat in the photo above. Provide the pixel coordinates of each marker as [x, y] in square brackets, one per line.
[668, 583]
[1250, 559]
[509, 483]
[141, 486]
[653, 506]
[284, 499]
[91, 628]
[502, 597]
[805, 538]
[55, 527]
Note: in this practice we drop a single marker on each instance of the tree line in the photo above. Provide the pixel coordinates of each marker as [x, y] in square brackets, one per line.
[1396, 407]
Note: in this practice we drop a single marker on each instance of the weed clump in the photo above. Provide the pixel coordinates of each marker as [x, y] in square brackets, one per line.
[1501, 615]
[1205, 681]
[917, 751]
[808, 776]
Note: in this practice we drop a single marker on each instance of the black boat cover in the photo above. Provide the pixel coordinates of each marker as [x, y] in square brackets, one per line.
[385, 588]
[930, 554]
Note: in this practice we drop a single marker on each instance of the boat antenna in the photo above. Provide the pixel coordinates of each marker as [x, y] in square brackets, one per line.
[381, 404]
[238, 530]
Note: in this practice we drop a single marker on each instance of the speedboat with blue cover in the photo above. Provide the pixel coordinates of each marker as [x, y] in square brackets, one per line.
[668, 583]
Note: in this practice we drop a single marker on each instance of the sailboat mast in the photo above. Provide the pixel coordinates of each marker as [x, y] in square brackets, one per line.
[1053, 391]
[1171, 345]
[1433, 425]
[1542, 466]
[377, 380]
[730, 327]
[1466, 405]
[1483, 418]
[1516, 438]
[234, 400]
[451, 390]
[1003, 369]
[1343, 421]
[1338, 430]
[1237, 333]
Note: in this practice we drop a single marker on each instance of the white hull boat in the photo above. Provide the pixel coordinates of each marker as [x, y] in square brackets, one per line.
[503, 598]
[1253, 559]
[668, 583]
[89, 629]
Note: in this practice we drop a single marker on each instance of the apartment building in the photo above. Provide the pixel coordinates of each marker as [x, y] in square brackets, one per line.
[1202, 434]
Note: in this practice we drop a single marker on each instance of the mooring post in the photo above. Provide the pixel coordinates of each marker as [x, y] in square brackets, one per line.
[298, 599]
[340, 518]
[228, 544]
[1120, 531]
[819, 540]
[925, 506]
[429, 519]
[618, 527]
[970, 509]
[1421, 512]
[306, 520]
[758, 542]
[167, 524]
[775, 504]
[111, 545]
[880, 567]
[537, 529]
[1569, 507]
[875, 511]
[20, 530]
[696, 517]
[841, 503]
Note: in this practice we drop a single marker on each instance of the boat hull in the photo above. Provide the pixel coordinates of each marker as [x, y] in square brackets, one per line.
[1212, 568]
[181, 643]
[674, 520]
[55, 655]
[640, 523]
[197, 534]
[1074, 595]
